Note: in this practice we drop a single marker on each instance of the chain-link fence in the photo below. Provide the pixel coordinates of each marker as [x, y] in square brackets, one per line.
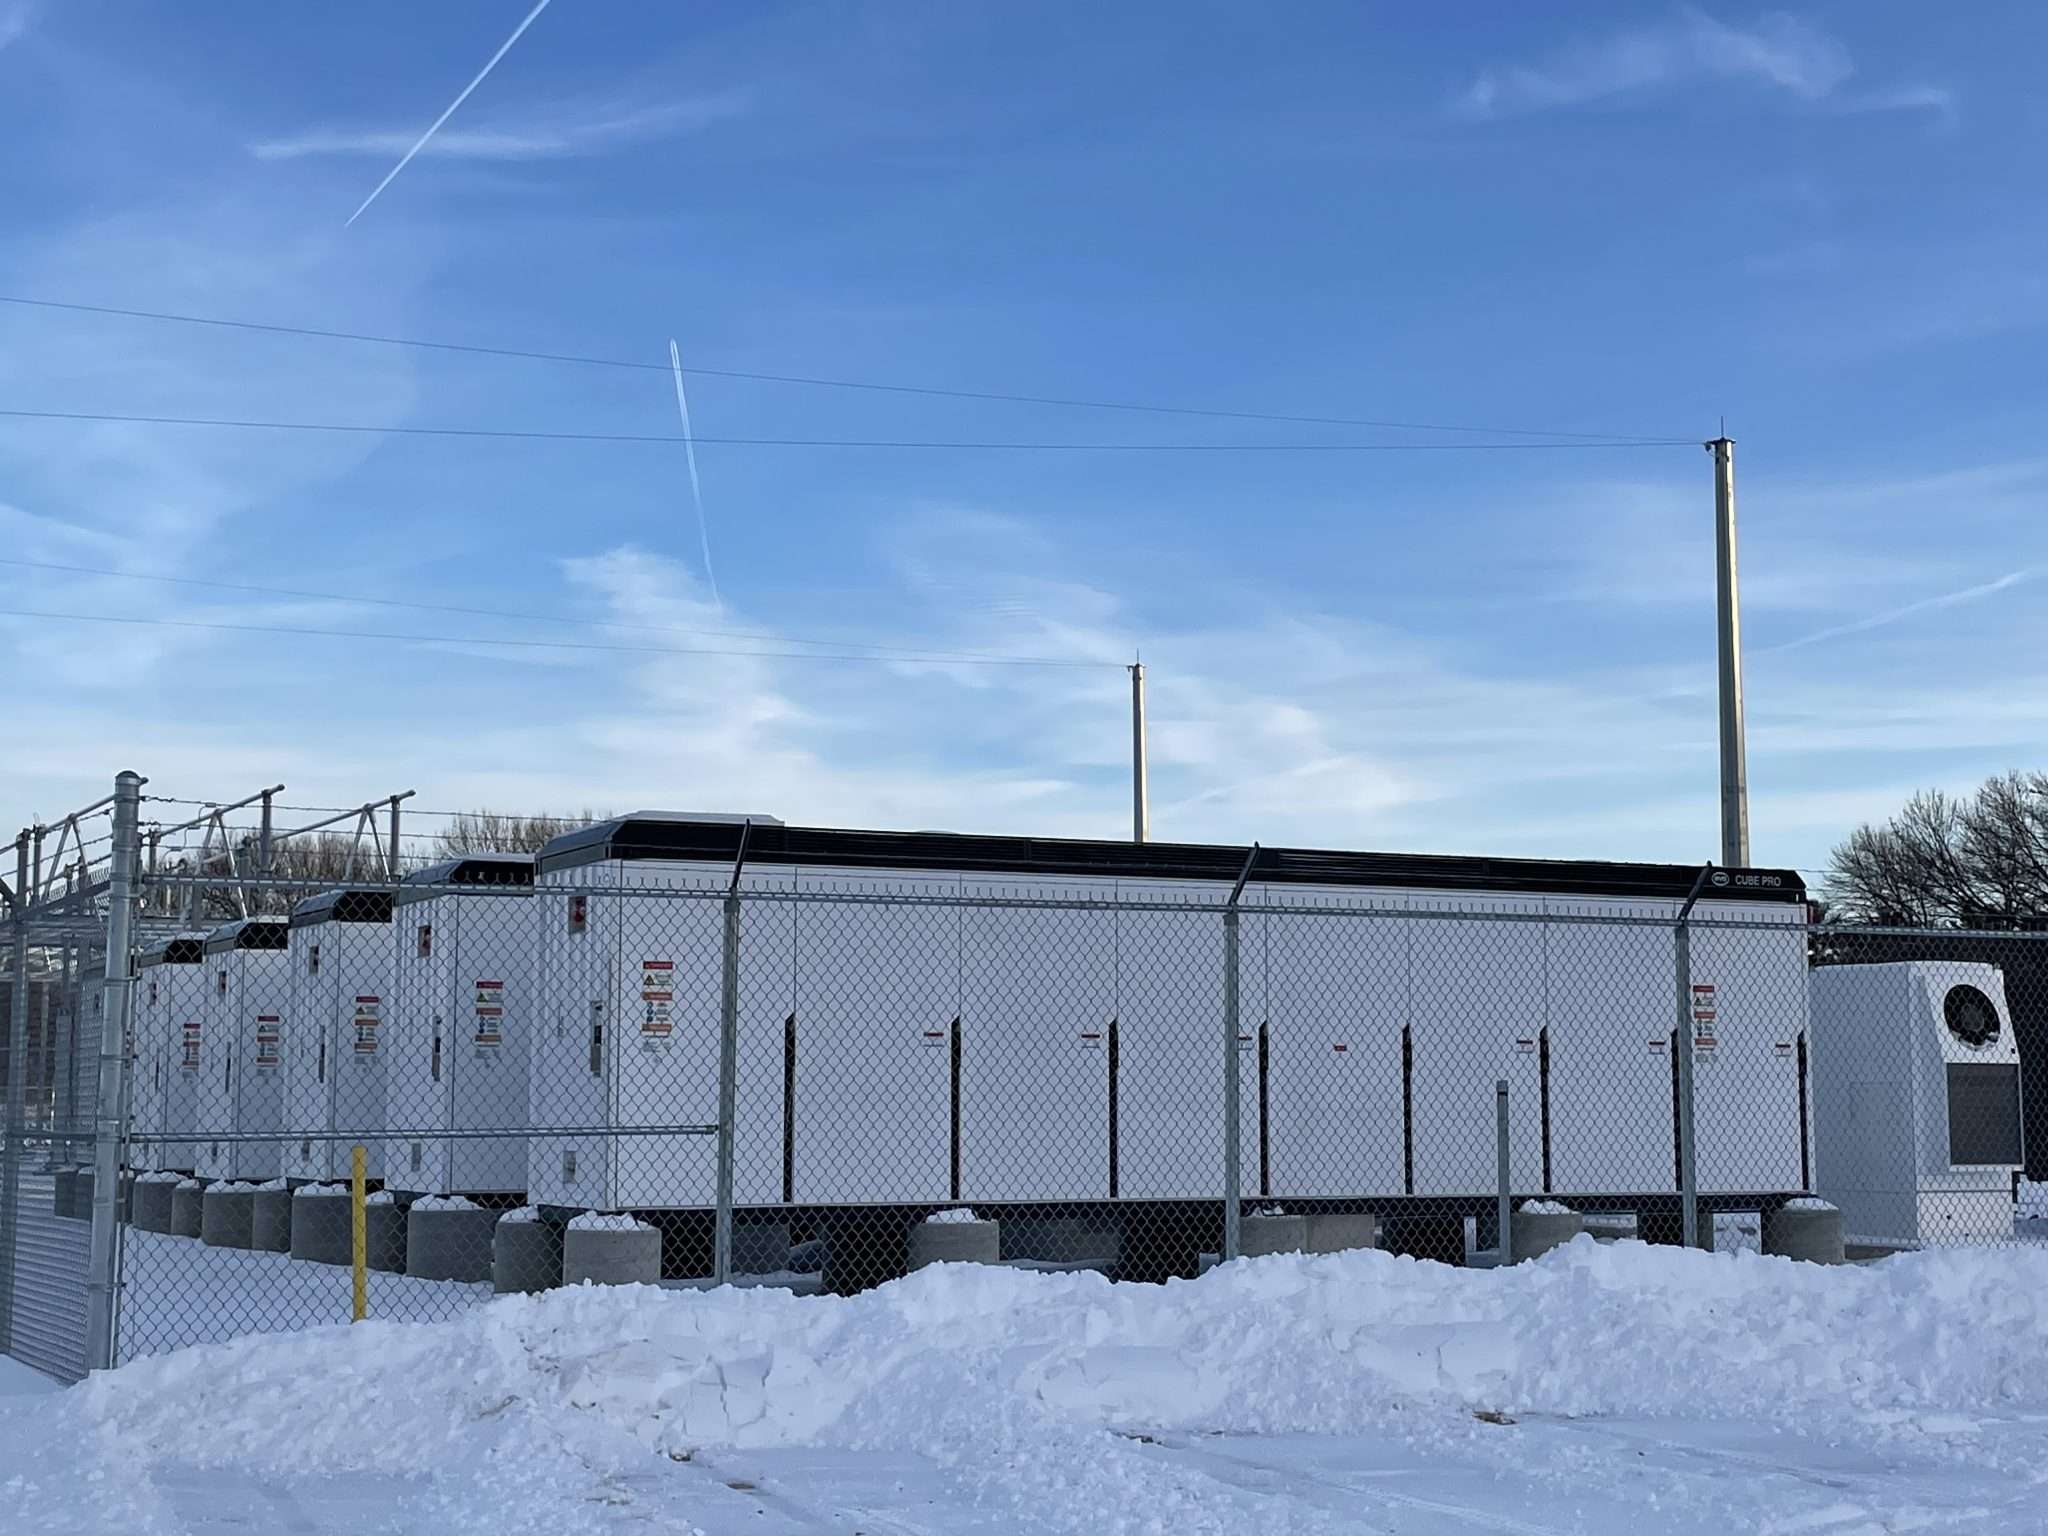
[795, 1064]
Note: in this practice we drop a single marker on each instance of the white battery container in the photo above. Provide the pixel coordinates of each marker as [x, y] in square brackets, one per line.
[340, 953]
[242, 1046]
[461, 1027]
[169, 1013]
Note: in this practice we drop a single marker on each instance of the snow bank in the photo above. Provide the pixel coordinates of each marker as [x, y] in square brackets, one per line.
[1808, 1203]
[958, 1213]
[192, 1183]
[271, 1184]
[521, 1213]
[1544, 1208]
[597, 1221]
[159, 1178]
[954, 1359]
[309, 1191]
[382, 1197]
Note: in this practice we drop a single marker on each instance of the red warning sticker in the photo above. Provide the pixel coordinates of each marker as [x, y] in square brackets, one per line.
[269, 1032]
[657, 997]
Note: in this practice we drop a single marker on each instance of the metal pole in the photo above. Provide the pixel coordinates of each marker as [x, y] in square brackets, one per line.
[1688, 1180]
[393, 863]
[1141, 794]
[1500, 1160]
[358, 1235]
[1682, 1043]
[728, 1091]
[263, 866]
[108, 1129]
[17, 1073]
[1232, 1175]
[1728, 614]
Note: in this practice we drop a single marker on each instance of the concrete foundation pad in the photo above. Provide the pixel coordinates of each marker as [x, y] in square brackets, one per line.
[611, 1255]
[1060, 1240]
[384, 1236]
[227, 1215]
[187, 1207]
[151, 1211]
[449, 1244]
[525, 1256]
[955, 1242]
[1535, 1233]
[1810, 1233]
[270, 1221]
[1258, 1235]
[320, 1229]
[1342, 1231]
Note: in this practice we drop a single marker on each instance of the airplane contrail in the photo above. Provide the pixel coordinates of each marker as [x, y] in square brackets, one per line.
[675, 362]
[503, 49]
[1924, 605]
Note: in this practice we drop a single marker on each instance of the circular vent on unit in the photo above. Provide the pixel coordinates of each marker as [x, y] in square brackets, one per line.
[1970, 1016]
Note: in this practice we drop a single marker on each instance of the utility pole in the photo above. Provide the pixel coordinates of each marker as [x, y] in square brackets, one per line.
[1728, 616]
[1141, 797]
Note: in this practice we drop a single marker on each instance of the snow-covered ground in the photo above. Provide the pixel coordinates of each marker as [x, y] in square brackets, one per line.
[179, 1291]
[1605, 1387]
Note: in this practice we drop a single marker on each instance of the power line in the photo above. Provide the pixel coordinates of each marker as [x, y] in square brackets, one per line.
[542, 645]
[806, 380]
[675, 440]
[887, 652]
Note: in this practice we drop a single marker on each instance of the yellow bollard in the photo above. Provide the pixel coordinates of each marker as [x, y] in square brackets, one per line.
[359, 1242]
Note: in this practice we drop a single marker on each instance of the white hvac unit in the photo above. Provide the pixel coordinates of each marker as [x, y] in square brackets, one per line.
[242, 1042]
[1916, 1096]
[169, 1007]
[460, 1046]
[920, 1021]
[340, 961]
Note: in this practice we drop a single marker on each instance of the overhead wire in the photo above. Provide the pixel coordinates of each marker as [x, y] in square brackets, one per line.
[808, 380]
[884, 651]
[555, 645]
[941, 444]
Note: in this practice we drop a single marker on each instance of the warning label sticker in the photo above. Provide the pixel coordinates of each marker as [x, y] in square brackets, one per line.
[369, 1014]
[657, 999]
[1705, 1035]
[490, 1015]
[269, 1033]
[189, 1060]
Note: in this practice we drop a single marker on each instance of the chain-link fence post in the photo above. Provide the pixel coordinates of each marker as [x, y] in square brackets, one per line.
[109, 1130]
[1682, 1044]
[17, 1099]
[1233, 1173]
[728, 1090]
[1504, 1213]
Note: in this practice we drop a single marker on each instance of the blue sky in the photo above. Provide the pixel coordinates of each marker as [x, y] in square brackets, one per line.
[1823, 223]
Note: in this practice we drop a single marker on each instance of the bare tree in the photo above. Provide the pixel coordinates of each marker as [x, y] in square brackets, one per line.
[1979, 861]
[495, 832]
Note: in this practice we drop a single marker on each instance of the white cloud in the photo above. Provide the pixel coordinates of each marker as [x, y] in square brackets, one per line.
[1776, 52]
[15, 16]
[561, 134]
